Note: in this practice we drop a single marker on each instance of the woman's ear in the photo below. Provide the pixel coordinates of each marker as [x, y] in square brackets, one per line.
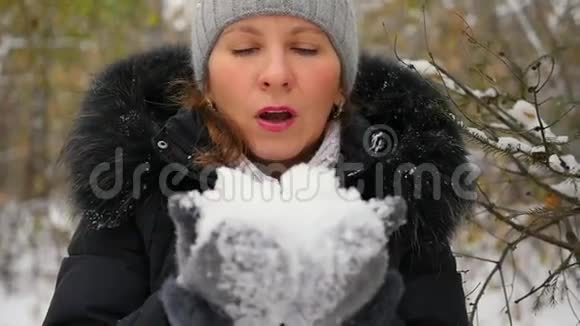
[340, 98]
[206, 87]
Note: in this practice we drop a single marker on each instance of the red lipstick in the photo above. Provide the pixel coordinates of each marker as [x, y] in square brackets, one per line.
[276, 118]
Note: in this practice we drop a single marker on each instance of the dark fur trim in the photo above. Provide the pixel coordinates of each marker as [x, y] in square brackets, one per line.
[391, 94]
[123, 110]
[130, 102]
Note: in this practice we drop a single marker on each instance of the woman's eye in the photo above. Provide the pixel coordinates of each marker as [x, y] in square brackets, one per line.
[306, 51]
[248, 51]
[242, 52]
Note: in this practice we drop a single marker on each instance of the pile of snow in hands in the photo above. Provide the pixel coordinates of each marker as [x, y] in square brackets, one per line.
[301, 251]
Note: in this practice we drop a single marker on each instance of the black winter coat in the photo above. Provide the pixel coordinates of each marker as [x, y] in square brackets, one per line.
[129, 131]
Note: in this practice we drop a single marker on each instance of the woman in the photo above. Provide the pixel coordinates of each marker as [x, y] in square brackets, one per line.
[268, 86]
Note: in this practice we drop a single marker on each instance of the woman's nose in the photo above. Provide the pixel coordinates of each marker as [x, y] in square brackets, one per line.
[276, 74]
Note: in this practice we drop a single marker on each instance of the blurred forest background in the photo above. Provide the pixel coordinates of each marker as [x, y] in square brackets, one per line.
[50, 50]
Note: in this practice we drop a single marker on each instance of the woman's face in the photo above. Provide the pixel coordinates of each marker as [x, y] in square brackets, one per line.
[276, 78]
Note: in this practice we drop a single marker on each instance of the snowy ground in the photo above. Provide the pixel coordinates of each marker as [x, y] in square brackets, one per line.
[31, 247]
[24, 300]
[26, 305]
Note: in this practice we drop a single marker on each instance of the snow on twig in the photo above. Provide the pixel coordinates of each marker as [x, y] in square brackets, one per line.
[426, 69]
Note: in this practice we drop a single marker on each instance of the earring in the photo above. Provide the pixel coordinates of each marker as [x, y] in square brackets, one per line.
[212, 107]
[337, 111]
[209, 104]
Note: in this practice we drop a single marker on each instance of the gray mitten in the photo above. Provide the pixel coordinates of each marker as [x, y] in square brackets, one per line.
[185, 308]
[226, 268]
[184, 305]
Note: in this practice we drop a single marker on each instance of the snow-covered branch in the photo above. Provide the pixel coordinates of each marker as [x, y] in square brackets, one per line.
[525, 149]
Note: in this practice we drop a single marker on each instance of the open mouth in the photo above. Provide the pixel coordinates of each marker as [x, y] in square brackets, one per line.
[276, 119]
[276, 116]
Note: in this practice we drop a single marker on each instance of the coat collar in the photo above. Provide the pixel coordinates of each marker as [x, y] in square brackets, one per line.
[128, 131]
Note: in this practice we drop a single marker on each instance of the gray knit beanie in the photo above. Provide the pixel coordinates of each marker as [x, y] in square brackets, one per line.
[336, 17]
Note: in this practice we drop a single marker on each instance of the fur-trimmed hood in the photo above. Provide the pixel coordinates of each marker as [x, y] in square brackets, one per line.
[129, 130]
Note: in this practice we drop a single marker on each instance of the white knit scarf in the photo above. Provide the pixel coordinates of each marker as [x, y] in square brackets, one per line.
[326, 155]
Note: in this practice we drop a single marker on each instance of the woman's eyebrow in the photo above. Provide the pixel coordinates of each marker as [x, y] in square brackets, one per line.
[302, 29]
[244, 29]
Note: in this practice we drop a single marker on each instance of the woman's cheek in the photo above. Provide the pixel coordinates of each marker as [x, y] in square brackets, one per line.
[323, 78]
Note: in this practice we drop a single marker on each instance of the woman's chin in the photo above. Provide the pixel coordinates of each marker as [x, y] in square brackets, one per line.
[278, 155]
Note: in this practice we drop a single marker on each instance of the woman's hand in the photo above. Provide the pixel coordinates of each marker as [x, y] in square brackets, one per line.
[186, 308]
[184, 304]
[238, 269]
